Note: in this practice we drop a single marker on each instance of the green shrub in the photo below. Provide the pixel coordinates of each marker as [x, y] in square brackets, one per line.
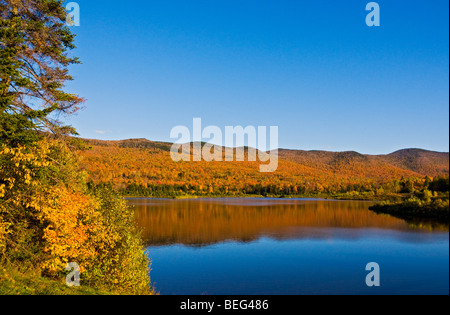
[121, 264]
[412, 202]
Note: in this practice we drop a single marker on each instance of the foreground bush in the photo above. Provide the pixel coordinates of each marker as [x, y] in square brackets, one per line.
[48, 218]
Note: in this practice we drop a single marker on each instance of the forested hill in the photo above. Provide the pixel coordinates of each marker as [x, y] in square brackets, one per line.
[423, 162]
[140, 163]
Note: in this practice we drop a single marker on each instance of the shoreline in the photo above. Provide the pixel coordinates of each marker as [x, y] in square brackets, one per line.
[194, 197]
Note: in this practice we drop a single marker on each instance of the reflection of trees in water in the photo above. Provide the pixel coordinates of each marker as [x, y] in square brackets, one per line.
[428, 225]
[420, 223]
[205, 222]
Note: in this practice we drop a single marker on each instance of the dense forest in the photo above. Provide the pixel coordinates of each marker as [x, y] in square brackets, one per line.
[140, 167]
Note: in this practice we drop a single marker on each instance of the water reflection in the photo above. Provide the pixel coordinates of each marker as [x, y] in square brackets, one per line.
[209, 221]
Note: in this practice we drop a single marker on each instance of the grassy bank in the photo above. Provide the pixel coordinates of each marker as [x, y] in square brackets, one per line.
[14, 281]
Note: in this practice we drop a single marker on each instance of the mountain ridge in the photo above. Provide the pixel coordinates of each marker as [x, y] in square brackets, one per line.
[147, 141]
[404, 162]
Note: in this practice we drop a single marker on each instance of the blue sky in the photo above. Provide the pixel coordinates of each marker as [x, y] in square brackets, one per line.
[313, 68]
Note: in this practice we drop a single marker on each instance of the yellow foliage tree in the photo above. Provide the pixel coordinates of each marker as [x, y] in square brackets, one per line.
[48, 218]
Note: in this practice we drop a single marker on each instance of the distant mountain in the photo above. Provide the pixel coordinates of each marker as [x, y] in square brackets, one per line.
[420, 161]
[145, 162]
[412, 161]
[132, 143]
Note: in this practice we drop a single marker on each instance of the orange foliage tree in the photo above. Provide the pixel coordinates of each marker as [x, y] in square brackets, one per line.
[48, 219]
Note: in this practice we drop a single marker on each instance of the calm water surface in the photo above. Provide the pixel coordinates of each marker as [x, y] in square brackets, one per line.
[291, 246]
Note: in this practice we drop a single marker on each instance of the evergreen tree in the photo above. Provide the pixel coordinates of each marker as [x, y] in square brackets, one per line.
[34, 59]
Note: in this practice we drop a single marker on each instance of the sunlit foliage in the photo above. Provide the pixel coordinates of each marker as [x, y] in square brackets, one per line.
[47, 219]
[145, 168]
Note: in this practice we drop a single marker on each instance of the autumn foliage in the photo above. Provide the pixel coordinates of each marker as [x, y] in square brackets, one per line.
[140, 167]
[48, 218]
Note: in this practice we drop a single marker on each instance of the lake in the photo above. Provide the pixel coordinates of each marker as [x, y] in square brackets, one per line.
[256, 246]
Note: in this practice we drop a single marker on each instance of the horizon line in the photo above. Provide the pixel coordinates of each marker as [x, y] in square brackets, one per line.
[286, 149]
